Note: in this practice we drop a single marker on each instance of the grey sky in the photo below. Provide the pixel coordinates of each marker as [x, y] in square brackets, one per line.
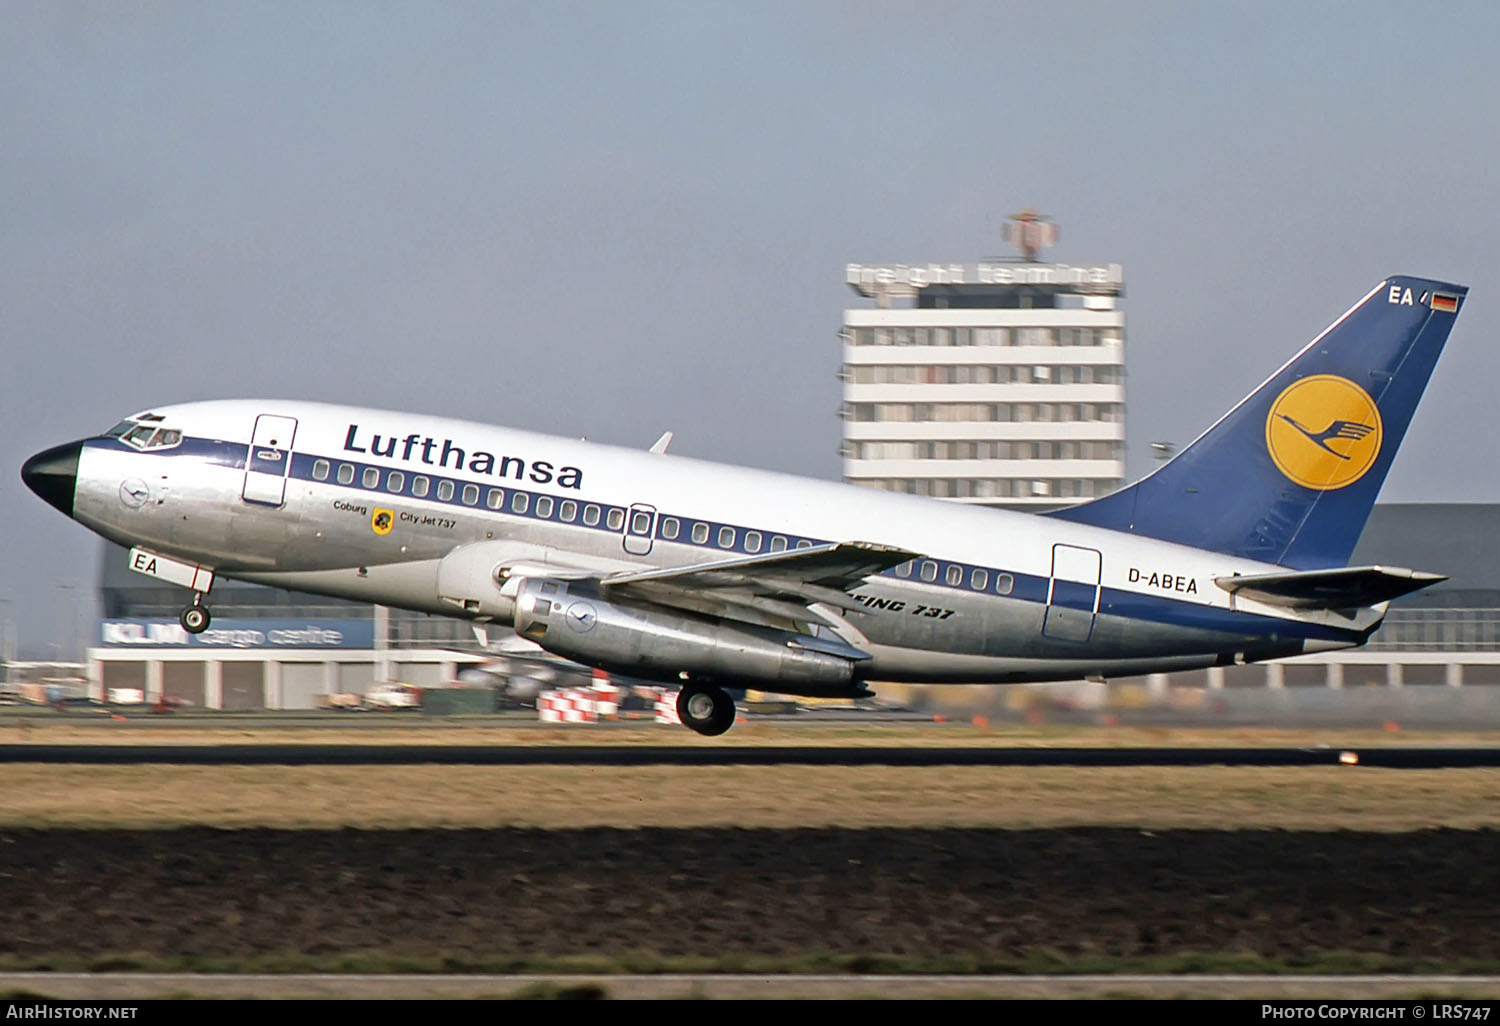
[616, 218]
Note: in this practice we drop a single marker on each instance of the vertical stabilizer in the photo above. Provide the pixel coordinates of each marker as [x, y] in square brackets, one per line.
[1289, 475]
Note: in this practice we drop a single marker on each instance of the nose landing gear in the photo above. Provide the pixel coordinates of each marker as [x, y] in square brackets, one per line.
[195, 618]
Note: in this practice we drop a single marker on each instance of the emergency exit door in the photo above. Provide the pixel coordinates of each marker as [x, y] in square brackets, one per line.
[1072, 593]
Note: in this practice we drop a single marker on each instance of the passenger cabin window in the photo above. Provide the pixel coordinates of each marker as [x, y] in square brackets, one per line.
[320, 470]
[520, 502]
[419, 486]
[955, 574]
[726, 537]
[778, 543]
[979, 579]
[471, 494]
[395, 481]
[544, 506]
[904, 570]
[444, 491]
[670, 528]
[640, 523]
[616, 519]
[700, 533]
[370, 478]
[752, 541]
[803, 543]
[494, 498]
[591, 515]
[568, 511]
[1003, 584]
[346, 473]
[929, 570]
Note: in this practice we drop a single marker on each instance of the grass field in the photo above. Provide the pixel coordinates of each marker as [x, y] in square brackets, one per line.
[775, 797]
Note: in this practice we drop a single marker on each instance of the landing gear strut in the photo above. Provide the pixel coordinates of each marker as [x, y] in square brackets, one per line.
[708, 710]
[195, 618]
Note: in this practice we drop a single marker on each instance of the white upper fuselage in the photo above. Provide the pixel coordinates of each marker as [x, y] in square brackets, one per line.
[303, 510]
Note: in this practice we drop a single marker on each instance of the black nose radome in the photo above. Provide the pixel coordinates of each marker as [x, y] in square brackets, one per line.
[53, 474]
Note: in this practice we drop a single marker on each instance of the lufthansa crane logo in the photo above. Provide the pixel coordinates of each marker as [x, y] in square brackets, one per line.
[382, 520]
[1323, 432]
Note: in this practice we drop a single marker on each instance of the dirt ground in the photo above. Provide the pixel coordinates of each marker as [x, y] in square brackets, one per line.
[918, 893]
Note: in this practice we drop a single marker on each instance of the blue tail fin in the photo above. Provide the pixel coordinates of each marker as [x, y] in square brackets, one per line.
[1289, 475]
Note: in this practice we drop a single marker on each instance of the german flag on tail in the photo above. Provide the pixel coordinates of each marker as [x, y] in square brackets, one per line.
[1444, 303]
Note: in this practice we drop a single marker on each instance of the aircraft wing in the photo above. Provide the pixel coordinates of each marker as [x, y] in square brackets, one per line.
[1339, 588]
[763, 588]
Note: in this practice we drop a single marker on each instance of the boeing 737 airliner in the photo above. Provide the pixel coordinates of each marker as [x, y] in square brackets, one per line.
[715, 578]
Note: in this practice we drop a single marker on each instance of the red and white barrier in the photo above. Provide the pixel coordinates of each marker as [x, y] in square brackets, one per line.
[576, 705]
[666, 708]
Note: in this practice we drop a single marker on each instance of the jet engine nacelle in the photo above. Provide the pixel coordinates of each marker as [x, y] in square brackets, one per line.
[571, 619]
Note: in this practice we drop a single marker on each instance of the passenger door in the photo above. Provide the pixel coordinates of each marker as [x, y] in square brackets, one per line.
[269, 460]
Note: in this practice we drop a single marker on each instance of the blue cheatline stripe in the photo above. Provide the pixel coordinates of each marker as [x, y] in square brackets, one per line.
[998, 583]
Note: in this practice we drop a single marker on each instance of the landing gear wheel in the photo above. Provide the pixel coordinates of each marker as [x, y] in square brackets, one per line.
[195, 619]
[709, 711]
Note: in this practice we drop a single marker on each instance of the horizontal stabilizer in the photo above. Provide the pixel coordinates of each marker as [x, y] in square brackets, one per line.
[1341, 588]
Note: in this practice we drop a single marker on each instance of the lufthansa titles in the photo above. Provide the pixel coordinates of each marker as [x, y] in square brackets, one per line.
[415, 448]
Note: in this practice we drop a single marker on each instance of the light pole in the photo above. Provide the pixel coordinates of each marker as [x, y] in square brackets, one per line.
[7, 640]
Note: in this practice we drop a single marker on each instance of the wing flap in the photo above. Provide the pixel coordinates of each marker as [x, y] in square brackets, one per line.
[1340, 588]
[831, 568]
[773, 588]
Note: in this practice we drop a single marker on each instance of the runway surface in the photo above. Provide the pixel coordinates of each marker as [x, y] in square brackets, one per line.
[126, 986]
[703, 755]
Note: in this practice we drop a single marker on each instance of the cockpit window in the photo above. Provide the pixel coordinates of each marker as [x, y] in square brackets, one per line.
[139, 436]
[144, 436]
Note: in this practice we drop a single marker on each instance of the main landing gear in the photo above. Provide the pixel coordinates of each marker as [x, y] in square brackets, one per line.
[195, 618]
[708, 710]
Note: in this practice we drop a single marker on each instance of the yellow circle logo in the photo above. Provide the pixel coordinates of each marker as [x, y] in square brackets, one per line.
[382, 520]
[1323, 432]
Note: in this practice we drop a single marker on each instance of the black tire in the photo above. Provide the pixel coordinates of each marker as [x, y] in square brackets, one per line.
[195, 619]
[707, 710]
